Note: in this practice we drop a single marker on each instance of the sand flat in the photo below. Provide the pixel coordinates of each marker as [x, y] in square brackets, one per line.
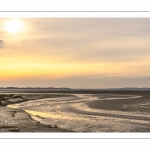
[82, 111]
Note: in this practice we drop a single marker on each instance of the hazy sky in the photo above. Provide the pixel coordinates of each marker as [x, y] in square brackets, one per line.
[75, 52]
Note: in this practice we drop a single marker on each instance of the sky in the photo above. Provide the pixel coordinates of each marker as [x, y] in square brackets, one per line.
[75, 52]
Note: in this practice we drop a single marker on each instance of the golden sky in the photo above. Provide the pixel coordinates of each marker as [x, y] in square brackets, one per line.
[75, 52]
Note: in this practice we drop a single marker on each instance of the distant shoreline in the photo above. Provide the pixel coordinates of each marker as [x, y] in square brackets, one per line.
[53, 89]
[75, 91]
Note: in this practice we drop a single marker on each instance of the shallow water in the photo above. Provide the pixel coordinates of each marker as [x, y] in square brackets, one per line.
[74, 114]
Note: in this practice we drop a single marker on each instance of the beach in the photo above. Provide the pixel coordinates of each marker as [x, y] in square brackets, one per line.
[76, 111]
[17, 120]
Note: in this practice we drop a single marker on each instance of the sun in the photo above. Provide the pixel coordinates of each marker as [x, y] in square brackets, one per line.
[14, 26]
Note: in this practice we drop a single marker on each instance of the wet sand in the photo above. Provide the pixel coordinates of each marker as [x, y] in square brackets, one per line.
[17, 120]
[25, 122]
[116, 111]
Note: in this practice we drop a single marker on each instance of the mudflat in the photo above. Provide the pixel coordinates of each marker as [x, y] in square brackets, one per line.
[22, 122]
[17, 120]
[86, 110]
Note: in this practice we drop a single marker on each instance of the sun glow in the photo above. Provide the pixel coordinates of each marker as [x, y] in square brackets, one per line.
[14, 26]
